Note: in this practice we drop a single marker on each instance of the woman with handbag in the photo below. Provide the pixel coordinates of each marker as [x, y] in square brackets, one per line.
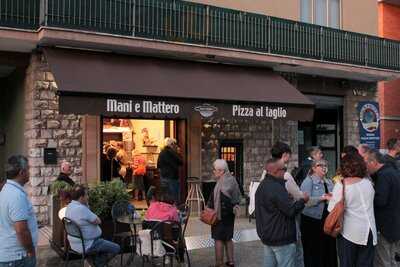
[319, 248]
[225, 202]
[358, 235]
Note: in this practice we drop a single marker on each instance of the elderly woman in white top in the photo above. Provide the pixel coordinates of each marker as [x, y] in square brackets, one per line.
[358, 237]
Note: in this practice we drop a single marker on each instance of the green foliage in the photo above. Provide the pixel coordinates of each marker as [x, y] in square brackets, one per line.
[59, 186]
[104, 195]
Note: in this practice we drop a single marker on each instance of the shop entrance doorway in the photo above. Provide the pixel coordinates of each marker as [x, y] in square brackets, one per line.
[324, 131]
[131, 147]
[232, 152]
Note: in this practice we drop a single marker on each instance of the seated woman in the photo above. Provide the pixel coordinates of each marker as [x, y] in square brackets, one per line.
[162, 208]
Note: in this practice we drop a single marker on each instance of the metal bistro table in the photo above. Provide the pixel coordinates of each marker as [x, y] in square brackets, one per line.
[133, 223]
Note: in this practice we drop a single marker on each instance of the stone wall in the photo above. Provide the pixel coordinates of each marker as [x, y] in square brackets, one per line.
[45, 127]
[257, 136]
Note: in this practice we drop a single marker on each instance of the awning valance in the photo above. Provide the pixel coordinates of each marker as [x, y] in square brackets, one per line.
[113, 84]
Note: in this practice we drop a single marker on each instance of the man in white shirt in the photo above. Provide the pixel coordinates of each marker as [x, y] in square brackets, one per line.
[283, 152]
[79, 212]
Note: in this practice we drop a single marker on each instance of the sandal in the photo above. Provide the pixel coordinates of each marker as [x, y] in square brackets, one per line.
[229, 264]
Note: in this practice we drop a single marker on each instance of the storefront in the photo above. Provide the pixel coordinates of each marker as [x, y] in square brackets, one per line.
[212, 110]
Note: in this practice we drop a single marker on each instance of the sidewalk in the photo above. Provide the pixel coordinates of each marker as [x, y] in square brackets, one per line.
[247, 254]
[248, 249]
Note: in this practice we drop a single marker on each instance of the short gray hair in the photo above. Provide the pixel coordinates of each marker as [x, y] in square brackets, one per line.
[169, 141]
[221, 164]
[15, 165]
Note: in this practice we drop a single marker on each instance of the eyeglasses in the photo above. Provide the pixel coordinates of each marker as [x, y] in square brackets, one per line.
[322, 165]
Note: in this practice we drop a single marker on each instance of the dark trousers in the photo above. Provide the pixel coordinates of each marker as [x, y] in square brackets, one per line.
[173, 188]
[319, 248]
[353, 255]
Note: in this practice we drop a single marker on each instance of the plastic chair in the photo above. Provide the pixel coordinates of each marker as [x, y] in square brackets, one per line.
[170, 234]
[73, 229]
[119, 209]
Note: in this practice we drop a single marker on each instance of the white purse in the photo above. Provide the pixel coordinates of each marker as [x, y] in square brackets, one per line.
[144, 248]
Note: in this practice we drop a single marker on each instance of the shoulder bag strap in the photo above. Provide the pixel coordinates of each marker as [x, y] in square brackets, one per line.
[343, 191]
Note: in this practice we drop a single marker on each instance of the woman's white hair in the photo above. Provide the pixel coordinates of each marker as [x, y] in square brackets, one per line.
[221, 164]
[169, 141]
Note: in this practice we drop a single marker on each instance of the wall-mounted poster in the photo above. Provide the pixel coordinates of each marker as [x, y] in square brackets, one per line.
[369, 123]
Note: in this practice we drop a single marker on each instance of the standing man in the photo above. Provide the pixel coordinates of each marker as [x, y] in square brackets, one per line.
[283, 153]
[275, 217]
[314, 153]
[168, 162]
[393, 146]
[18, 226]
[66, 171]
[387, 207]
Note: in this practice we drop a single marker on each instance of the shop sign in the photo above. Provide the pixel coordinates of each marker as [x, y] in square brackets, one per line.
[241, 111]
[142, 107]
[369, 123]
[176, 108]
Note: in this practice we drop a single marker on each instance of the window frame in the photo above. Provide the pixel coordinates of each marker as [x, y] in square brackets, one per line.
[328, 13]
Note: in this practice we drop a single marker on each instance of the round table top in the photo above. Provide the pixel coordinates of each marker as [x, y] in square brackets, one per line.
[129, 220]
[61, 213]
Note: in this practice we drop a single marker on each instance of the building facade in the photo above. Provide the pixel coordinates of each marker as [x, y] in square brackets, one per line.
[389, 23]
[58, 71]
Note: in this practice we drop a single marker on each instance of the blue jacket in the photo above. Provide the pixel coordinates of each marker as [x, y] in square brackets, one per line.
[314, 187]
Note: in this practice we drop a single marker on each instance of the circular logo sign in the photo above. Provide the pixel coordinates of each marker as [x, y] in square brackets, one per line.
[206, 110]
[369, 117]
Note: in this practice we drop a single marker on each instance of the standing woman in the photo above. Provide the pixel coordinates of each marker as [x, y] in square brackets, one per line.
[225, 201]
[319, 248]
[358, 237]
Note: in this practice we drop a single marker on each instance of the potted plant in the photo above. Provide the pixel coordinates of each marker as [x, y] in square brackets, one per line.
[101, 199]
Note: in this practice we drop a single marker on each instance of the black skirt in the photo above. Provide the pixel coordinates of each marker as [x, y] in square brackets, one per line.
[223, 229]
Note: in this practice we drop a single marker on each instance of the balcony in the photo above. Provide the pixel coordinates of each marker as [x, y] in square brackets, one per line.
[191, 23]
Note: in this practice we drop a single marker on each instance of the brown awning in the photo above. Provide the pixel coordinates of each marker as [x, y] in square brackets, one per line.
[82, 72]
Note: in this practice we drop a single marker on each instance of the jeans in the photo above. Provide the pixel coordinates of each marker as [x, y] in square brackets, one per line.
[299, 260]
[105, 250]
[354, 255]
[173, 188]
[25, 262]
[280, 256]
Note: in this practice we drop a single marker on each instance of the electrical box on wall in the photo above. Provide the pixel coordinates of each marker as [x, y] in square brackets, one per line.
[50, 155]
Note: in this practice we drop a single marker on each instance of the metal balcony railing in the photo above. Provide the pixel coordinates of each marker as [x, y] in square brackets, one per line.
[186, 22]
[23, 14]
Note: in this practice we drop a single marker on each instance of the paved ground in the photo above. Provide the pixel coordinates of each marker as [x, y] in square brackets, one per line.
[248, 250]
[247, 254]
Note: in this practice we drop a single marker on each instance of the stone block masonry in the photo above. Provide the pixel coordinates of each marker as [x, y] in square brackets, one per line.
[45, 127]
[257, 137]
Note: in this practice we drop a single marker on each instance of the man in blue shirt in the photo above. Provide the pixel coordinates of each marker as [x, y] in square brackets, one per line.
[18, 225]
[79, 212]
